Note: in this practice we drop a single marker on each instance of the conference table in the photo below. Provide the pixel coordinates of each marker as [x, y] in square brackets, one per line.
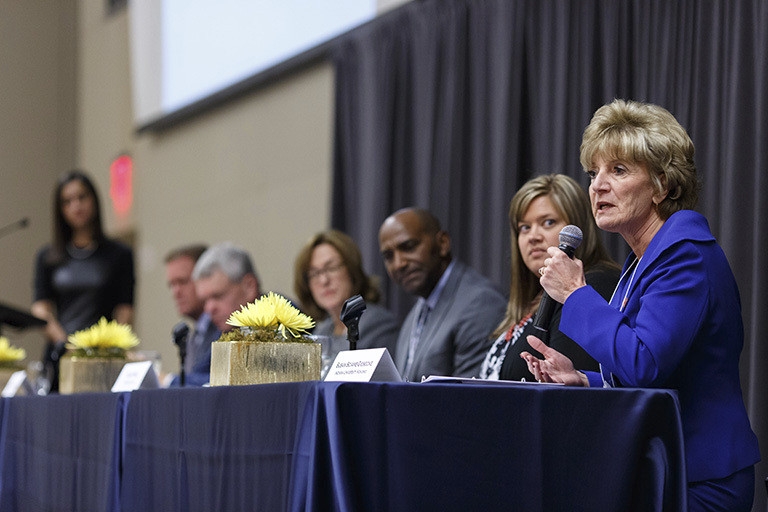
[330, 446]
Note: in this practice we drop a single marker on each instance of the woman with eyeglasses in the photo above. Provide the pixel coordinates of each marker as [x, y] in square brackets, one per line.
[327, 272]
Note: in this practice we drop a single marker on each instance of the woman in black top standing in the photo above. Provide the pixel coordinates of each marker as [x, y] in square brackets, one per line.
[82, 275]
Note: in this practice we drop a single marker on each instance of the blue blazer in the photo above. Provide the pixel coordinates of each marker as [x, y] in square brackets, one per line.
[681, 329]
[456, 334]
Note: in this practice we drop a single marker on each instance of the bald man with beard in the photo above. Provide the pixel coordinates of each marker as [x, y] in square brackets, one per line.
[447, 332]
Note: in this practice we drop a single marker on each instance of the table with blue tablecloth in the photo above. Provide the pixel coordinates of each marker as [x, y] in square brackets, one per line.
[349, 446]
[61, 452]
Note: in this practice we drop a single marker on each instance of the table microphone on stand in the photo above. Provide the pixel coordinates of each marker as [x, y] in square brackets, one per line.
[351, 312]
[180, 333]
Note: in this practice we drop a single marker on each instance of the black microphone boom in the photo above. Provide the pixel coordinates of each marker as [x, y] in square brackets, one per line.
[570, 239]
[14, 226]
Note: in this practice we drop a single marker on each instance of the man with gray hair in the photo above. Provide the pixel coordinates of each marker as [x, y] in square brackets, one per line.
[225, 279]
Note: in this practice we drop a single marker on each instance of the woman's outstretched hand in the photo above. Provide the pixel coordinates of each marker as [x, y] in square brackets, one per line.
[555, 367]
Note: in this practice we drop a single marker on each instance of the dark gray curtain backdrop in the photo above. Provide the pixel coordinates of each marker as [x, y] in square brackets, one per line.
[453, 104]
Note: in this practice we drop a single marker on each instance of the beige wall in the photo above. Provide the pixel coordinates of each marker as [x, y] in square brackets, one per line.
[255, 171]
[37, 136]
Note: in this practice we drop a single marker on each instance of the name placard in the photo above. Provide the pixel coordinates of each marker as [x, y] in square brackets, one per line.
[135, 376]
[17, 384]
[365, 365]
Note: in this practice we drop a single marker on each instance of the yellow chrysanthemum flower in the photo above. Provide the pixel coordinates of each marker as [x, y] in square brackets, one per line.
[272, 311]
[104, 334]
[290, 318]
[9, 353]
[254, 314]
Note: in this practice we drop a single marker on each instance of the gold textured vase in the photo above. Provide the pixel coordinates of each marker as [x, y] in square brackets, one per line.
[79, 374]
[235, 363]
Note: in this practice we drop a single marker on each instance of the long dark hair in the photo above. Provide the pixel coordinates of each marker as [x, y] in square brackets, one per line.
[62, 232]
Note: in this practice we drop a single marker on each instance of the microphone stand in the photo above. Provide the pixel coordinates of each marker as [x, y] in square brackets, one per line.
[180, 333]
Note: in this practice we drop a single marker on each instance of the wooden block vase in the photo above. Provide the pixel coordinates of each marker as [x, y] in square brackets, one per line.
[79, 374]
[235, 363]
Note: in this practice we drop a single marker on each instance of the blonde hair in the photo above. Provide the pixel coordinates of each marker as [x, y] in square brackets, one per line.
[572, 204]
[645, 133]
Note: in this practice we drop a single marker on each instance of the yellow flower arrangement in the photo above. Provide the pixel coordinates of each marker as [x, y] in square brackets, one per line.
[270, 318]
[10, 355]
[103, 339]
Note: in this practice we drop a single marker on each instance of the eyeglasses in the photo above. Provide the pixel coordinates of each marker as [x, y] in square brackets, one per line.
[329, 270]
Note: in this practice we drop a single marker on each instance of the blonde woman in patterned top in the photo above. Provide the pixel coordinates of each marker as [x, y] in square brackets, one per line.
[537, 213]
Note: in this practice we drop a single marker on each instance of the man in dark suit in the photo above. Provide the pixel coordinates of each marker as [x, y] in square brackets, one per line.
[179, 264]
[447, 332]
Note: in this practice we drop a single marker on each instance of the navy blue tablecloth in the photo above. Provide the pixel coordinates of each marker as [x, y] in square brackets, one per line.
[483, 447]
[61, 452]
[344, 446]
[220, 448]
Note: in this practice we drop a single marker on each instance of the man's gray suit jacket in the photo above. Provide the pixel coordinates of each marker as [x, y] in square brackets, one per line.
[456, 335]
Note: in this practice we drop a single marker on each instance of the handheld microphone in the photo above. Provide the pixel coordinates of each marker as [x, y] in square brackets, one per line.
[180, 333]
[570, 239]
[351, 312]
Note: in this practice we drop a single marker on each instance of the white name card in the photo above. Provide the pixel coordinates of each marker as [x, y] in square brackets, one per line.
[366, 365]
[16, 382]
[133, 376]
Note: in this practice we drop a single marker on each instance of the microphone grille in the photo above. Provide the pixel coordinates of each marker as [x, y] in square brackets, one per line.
[571, 236]
[180, 330]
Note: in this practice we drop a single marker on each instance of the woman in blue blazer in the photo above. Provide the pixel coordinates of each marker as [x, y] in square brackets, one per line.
[674, 320]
